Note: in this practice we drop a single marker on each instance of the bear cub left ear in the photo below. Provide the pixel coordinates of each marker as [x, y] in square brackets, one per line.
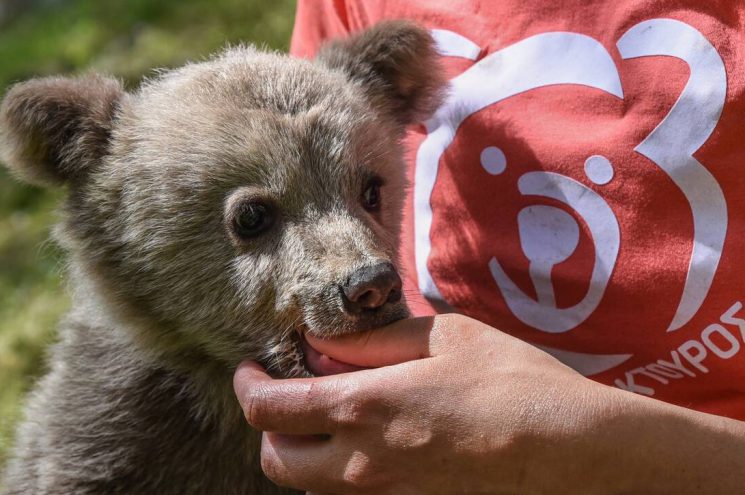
[52, 130]
[397, 64]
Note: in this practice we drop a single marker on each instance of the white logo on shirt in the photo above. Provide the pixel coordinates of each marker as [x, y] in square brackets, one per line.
[549, 235]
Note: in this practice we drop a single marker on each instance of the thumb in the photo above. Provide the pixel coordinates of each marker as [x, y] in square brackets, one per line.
[404, 340]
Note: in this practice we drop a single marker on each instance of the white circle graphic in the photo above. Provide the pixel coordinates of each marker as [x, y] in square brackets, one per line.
[599, 169]
[493, 160]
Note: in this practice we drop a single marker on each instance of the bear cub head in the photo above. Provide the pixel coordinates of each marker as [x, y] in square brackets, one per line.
[228, 207]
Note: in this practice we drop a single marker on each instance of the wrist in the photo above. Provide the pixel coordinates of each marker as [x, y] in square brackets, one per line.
[573, 445]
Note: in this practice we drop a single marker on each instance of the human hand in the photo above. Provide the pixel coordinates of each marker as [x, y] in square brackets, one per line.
[469, 410]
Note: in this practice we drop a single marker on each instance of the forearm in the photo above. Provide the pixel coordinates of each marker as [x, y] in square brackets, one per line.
[646, 446]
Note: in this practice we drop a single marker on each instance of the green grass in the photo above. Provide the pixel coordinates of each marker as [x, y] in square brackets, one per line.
[123, 38]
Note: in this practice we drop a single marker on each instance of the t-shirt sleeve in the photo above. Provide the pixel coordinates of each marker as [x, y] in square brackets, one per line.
[315, 22]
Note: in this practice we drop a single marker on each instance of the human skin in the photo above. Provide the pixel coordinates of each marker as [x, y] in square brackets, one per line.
[456, 406]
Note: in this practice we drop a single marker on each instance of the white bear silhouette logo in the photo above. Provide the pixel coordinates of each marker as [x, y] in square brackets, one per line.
[575, 59]
[548, 236]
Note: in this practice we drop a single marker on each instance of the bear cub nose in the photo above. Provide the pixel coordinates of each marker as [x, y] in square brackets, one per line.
[371, 287]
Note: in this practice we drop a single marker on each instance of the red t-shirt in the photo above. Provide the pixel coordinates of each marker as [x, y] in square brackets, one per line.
[580, 187]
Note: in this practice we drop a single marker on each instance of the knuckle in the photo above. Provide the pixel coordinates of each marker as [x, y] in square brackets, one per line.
[454, 320]
[255, 408]
[409, 437]
[450, 317]
[459, 327]
[361, 475]
[315, 393]
[352, 409]
[348, 413]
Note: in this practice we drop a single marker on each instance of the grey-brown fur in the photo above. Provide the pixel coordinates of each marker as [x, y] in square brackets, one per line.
[167, 298]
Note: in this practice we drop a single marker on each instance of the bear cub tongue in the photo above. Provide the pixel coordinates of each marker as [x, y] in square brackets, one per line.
[323, 365]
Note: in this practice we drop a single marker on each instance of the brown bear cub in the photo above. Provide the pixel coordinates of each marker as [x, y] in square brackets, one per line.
[216, 214]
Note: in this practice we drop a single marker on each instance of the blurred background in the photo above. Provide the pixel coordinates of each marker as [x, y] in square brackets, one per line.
[124, 38]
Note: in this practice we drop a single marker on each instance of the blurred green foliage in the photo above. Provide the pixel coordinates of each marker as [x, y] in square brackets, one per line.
[125, 38]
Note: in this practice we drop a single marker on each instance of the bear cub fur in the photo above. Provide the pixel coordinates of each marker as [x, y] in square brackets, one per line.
[216, 214]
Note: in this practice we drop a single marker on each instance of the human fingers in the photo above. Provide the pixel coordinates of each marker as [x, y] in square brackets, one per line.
[318, 465]
[404, 340]
[288, 461]
[307, 406]
[296, 406]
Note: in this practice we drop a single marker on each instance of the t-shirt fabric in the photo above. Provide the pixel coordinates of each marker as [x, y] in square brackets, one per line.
[580, 187]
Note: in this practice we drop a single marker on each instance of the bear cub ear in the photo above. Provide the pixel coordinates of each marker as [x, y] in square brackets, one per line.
[397, 63]
[52, 130]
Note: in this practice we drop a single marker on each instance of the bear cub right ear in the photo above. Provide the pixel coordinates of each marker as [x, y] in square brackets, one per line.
[52, 130]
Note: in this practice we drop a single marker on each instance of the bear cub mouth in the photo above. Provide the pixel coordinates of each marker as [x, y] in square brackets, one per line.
[320, 364]
[370, 297]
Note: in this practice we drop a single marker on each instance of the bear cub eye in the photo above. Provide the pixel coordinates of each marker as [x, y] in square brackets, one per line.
[252, 218]
[371, 195]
